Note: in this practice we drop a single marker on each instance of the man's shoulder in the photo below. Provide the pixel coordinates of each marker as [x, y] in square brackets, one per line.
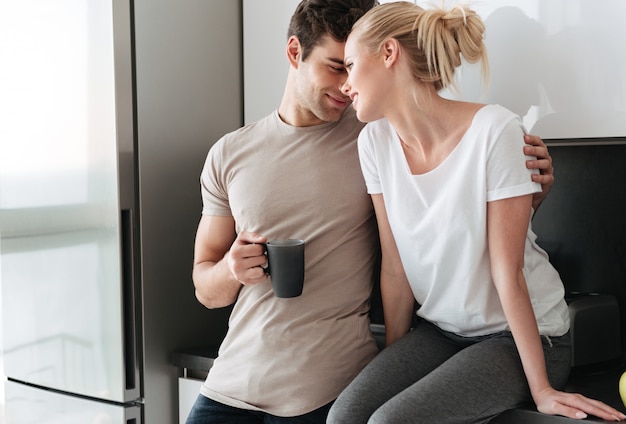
[247, 132]
[261, 124]
[349, 119]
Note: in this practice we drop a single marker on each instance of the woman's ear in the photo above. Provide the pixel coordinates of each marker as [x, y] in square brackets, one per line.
[391, 51]
[294, 50]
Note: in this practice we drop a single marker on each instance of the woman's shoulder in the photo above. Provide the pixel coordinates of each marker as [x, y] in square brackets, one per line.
[494, 119]
[376, 137]
[496, 112]
[378, 127]
[378, 132]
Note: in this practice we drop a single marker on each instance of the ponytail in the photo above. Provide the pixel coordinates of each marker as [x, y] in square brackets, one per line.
[447, 36]
[436, 40]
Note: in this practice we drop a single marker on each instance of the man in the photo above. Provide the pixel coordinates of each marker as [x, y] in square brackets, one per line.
[293, 174]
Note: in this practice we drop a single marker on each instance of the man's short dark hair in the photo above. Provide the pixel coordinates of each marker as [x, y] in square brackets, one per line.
[314, 19]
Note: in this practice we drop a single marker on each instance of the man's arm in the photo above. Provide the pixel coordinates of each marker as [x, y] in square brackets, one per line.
[536, 147]
[224, 261]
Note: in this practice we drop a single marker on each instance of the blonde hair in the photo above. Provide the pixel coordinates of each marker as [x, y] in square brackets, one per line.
[435, 39]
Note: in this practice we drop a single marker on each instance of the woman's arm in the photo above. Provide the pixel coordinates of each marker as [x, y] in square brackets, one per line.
[507, 225]
[397, 297]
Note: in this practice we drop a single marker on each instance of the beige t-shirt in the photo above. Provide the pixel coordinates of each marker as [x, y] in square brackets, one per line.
[291, 356]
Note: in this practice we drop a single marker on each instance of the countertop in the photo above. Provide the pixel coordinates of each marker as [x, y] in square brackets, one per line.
[599, 382]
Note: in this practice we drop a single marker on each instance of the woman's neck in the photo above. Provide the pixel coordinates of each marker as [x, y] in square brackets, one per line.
[430, 129]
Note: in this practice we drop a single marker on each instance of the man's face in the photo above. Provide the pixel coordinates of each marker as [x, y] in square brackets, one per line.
[318, 85]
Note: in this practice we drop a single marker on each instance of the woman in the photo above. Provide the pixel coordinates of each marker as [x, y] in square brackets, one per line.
[453, 201]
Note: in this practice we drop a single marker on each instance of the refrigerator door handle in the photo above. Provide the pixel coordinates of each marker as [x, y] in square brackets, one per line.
[131, 305]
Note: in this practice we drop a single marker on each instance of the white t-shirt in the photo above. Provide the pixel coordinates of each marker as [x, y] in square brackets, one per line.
[291, 356]
[439, 222]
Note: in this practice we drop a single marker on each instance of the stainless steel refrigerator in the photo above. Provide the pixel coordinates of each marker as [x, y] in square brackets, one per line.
[107, 111]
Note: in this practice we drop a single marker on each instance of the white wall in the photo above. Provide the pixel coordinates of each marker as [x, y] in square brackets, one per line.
[560, 64]
[557, 63]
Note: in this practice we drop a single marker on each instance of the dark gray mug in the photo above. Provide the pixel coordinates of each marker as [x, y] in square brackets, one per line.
[285, 266]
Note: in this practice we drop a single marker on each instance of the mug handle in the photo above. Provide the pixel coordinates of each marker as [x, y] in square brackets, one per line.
[266, 268]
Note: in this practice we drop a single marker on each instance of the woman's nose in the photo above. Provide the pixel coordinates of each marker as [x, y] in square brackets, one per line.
[345, 88]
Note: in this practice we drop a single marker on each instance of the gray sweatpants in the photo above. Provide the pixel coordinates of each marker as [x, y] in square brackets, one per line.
[430, 376]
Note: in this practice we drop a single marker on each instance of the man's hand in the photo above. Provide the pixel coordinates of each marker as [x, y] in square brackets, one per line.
[224, 261]
[246, 258]
[536, 147]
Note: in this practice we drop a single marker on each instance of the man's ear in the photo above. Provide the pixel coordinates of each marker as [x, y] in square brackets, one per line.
[294, 51]
[391, 51]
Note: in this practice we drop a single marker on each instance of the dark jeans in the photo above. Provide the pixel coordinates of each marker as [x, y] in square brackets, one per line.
[208, 411]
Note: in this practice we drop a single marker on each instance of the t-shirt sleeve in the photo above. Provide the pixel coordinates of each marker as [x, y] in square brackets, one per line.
[367, 158]
[507, 174]
[213, 185]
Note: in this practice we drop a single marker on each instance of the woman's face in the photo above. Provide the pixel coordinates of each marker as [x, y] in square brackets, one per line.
[367, 82]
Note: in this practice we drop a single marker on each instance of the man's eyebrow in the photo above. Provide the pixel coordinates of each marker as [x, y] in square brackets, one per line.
[337, 61]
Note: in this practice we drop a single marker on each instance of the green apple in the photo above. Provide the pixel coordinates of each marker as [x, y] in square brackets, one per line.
[622, 387]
